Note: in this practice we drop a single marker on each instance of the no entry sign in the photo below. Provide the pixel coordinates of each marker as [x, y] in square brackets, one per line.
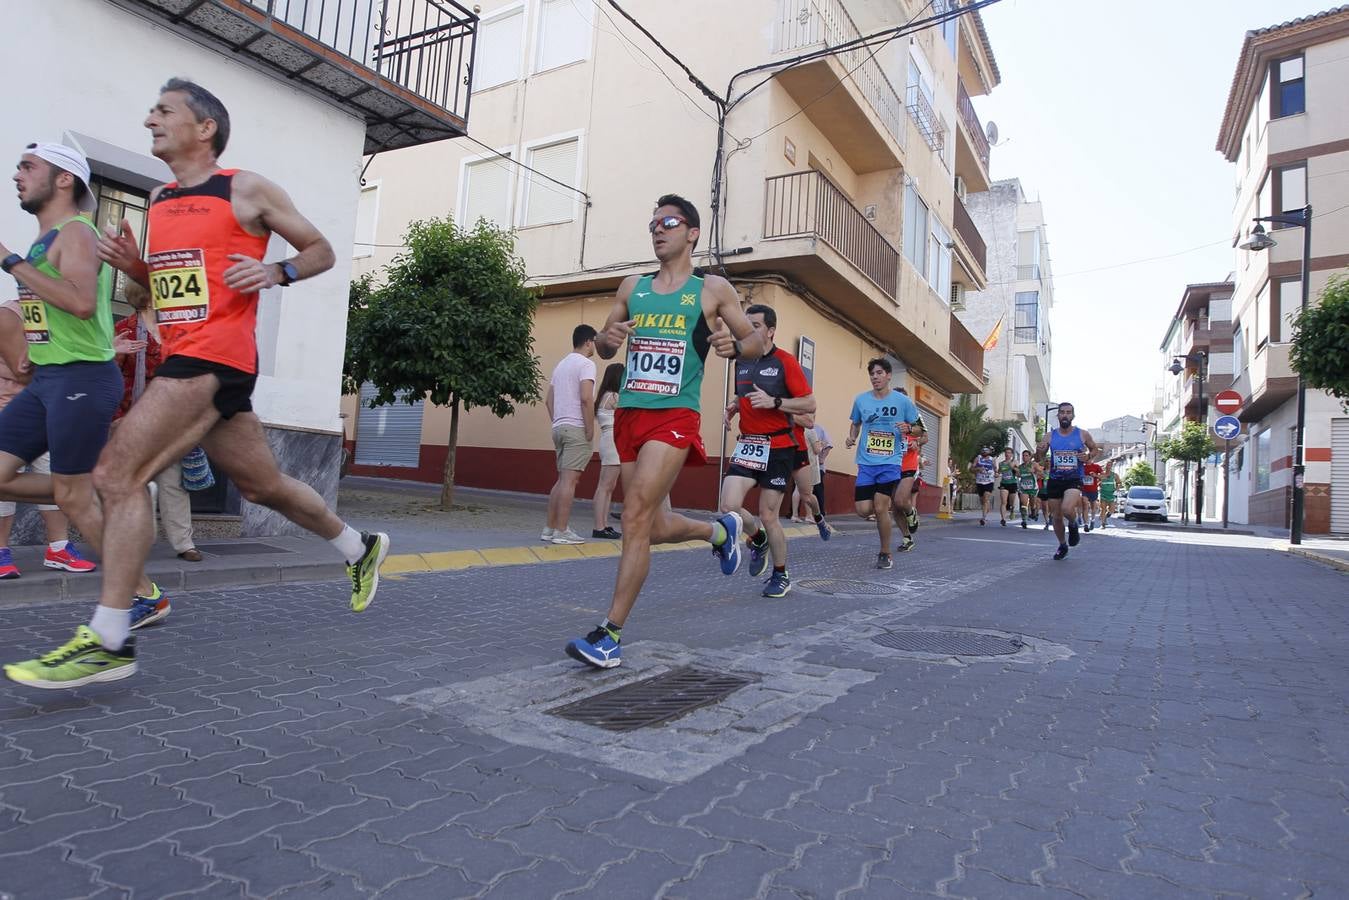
[1227, 402]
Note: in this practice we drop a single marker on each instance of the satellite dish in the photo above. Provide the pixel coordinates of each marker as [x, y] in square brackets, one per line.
[992, 131]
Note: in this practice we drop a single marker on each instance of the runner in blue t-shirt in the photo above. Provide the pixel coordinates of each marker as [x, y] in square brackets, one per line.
[880, 422]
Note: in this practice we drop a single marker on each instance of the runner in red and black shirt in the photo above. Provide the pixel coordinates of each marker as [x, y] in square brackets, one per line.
[771, 447]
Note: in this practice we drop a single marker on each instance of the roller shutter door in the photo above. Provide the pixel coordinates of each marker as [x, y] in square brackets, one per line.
[388, 435]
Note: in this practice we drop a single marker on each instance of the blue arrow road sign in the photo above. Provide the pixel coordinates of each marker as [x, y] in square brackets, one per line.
[1227, 427]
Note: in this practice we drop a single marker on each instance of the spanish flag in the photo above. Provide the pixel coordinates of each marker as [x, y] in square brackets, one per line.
[992, 340]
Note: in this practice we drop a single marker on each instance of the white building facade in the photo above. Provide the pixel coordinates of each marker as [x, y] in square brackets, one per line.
[1014, 310]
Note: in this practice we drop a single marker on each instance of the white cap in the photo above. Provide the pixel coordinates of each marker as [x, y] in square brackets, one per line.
[69, 160]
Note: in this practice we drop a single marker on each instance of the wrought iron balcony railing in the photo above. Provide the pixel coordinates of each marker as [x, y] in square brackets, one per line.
[401, 65]
[929, 125]
[807, 203]
[972, 124]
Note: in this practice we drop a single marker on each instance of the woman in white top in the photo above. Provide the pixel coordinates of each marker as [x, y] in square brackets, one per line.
[606, 399]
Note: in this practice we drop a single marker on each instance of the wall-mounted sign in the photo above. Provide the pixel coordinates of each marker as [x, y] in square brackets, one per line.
[805, 355]
[789, 150]
[934, 401]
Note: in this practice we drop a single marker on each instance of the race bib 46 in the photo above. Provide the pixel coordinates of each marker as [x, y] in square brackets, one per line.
[35, 328]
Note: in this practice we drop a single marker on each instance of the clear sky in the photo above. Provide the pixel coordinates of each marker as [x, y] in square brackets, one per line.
[1109, 114]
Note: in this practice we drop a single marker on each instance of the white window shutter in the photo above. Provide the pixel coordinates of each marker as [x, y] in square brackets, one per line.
[564, 34]
[366, 208]
[547, 201]
[499, 43]
[487, 192]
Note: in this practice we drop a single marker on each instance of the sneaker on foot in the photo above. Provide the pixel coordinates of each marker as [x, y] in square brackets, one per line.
[598, 649]
[547, 534]
[1002, 522]
[981, 522]
[883, 561]
[1073, 536]
[758, 554]
[7, 567]
[1061, 552]
[607, 532]
[913, 520]
[779, 585]
[81, 660]
[364, 572]
[728, 552]
[567, 536]
[151, 609]
[905, 546]
[67, 558]
[826, 530]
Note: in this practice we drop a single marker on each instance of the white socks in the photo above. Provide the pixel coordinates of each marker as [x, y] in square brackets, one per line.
[57, 546]
[349, 544]
[111, 625]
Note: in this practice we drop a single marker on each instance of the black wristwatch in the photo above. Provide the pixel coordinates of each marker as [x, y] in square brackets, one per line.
[289, 274]
[10, 262]
[777, 403]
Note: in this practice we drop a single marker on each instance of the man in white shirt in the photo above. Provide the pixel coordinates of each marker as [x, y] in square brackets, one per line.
[571, 406]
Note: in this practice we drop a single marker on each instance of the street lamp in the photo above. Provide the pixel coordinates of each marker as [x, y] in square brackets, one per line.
[1176, 368]
[1301, 218]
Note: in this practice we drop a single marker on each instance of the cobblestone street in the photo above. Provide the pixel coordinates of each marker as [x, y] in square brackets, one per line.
[1174, 726]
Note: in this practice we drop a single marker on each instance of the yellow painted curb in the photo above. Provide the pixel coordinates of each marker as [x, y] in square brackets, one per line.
[404, 562]
[554, 552]
[454, 559]
[509, 556]
[596, 550]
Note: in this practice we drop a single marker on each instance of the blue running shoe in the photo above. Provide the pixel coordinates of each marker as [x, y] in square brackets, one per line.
[598, 649]
[149, 610]
[758, 555]
[779, 585]
[826, 530]
[729, 551]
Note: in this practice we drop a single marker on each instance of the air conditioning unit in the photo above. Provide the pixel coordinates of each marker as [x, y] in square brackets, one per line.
[960, 189]
[957, 296]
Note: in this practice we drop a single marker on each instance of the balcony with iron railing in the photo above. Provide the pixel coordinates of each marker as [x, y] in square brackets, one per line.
[846, 94]
[808, 204]
[403, 66]
[925, 118]
[972, 151]
[966, 347]
[1028, 273]
[970, 244]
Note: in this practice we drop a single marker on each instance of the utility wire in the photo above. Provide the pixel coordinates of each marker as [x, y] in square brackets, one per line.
[497, 154]
[697, 82]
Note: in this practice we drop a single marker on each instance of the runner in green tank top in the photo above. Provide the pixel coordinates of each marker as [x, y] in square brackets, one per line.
[1006, 483]
[668, 321]
[1109, 484]
[55, 336]
[1025, 484]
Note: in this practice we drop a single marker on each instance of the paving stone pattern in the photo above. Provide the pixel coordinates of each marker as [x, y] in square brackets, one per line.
[1180, 730]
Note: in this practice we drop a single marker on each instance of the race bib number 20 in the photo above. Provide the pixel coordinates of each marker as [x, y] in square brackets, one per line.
[178, 286]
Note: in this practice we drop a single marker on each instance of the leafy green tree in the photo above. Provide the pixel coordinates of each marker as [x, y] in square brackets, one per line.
[971, 430]
[1193, 444]
[1320, 351]
[1140, 473]
[451, 322]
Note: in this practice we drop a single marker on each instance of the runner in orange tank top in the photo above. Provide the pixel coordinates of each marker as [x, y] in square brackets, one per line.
[208, 231]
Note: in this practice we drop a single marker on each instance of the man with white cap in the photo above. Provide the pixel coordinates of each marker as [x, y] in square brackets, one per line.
[66, 297]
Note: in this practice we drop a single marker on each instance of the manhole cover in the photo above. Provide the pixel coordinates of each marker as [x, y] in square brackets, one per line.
[950, 643]
[653, 700]
[244, 548]
[846, 588]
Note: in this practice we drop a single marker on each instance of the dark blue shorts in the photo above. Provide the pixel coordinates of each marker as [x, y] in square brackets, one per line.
[66, 410]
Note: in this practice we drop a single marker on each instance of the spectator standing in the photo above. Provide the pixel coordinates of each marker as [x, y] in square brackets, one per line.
[571, 406]
[606, 401]
[138, 355]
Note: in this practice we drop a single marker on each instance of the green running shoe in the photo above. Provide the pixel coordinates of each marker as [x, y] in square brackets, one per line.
[80, 661]
[364, 573]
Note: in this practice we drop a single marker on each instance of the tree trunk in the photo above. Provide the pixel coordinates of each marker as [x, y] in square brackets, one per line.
[447, 483]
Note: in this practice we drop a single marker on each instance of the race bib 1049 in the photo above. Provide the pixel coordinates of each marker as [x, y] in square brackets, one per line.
[178, 286]
[751, 452]
[655, 365]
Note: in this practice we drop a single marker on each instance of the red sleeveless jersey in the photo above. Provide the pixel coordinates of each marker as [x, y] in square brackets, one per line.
[192, 234]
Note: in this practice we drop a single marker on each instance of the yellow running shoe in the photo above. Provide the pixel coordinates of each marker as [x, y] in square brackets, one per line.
[80, 661]
[364, 573]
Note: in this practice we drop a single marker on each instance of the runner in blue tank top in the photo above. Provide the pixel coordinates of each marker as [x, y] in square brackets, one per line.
[1065, 451]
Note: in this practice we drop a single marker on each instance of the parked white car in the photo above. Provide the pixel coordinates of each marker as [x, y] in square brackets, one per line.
[1144, 502]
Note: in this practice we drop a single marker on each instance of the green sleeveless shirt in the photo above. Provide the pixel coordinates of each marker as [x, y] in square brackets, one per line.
[55, 336]
[667, 347]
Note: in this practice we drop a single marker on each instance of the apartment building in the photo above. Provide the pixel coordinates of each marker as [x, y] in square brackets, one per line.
[840, 206]
[1286, 130]
[1199, 339]
[311, 88]
[1013, 309]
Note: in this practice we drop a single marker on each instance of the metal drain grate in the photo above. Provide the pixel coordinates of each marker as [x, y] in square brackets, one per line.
[653, 700]
[844, 587]
[950, 643]
[244, 548]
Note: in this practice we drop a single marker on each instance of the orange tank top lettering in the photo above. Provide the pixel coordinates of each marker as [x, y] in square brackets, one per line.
[192, 234]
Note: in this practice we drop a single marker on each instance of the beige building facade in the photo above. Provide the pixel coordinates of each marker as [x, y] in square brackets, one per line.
[840, 204]
[1286, 128]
